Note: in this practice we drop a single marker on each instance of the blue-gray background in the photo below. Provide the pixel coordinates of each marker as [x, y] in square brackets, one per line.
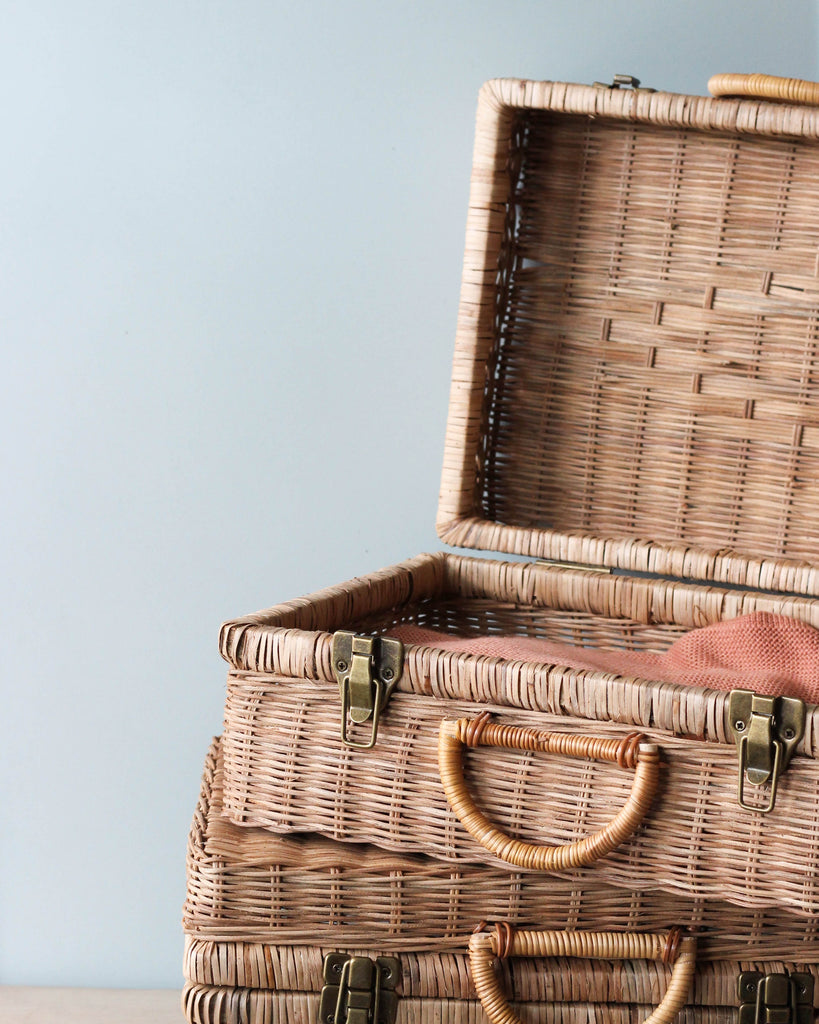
[231, 245]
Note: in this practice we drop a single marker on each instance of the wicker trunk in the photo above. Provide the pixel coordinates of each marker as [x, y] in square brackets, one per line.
[635, 409]
[287, 769]
[263, 912]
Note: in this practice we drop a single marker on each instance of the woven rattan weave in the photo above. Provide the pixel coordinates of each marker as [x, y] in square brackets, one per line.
[262, 912]
[247, 884]
[286, 768]
[635, 365]
[216, 964]
[206, 1005]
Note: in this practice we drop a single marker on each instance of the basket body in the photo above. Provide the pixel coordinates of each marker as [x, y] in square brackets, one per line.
[287, 769]
[205, 1004]
[263, 911]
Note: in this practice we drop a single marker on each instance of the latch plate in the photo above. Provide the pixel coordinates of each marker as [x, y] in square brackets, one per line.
[767, 731]
[367, 669]
[775, 998]
[358, 990]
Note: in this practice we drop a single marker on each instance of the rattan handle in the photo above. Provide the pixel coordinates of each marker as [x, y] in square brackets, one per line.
[631, 752]
[670, 947]
[765, 87]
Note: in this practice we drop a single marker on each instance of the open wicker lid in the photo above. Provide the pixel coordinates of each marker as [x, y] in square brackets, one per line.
[636, 374]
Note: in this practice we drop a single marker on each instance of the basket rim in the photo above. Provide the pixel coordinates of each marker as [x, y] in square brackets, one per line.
[294, 640]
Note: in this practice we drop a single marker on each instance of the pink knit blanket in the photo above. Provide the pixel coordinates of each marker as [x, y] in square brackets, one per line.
[763, 652]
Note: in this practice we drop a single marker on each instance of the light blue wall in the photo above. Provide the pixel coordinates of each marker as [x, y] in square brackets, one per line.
[231, 247]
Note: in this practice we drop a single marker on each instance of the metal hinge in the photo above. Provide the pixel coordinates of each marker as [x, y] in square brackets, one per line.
[358, 990]
[621, 80]
[767, 731]
[367, 669]
[775, 998]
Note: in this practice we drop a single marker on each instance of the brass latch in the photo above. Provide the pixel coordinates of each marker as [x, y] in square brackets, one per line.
[767, 731]
[775, 998]
[358, 990]
[367, 669]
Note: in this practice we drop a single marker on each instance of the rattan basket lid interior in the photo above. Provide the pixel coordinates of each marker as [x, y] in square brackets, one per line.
[635, 375]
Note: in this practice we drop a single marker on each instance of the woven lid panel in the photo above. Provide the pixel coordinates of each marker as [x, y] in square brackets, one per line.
[636, 373]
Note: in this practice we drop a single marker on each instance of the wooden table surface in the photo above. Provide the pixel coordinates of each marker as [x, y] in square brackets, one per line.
[89, 1006]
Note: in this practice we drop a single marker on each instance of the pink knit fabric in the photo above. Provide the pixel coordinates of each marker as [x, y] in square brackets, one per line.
[763, 652]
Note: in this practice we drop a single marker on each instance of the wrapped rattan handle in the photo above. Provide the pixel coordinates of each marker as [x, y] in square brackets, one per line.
[670, 947]
[631, 752]
[765, 87]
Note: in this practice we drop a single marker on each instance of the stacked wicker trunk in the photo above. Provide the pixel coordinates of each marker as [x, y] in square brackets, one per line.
[413, 833]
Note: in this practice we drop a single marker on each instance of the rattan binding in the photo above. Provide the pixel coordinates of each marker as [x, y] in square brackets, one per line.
[507, 941]
[765, 87]
[628, 752]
